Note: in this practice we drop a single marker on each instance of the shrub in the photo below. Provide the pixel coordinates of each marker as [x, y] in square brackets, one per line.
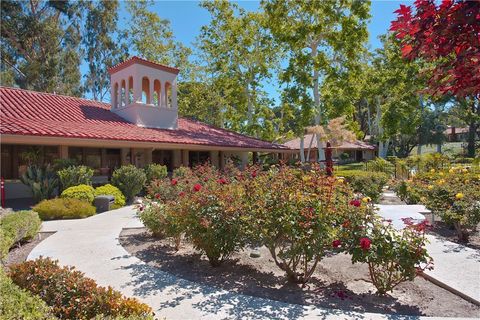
[42, 181]
[16, 303]
[392, 256]
[70, 294]
[295, 214]
[214, 219]
[381, 165]
[370, 184]
[75, 175]
[130, 180]
[81, 192]
[16, 227]
[60, 164]
[155, 171]
[181, 172]
[108, 189]
[452, 194]
[64, 208]
[407, 191]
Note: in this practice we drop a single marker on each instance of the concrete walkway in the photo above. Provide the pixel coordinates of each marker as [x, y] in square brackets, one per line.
[456, 267]
[92, 246]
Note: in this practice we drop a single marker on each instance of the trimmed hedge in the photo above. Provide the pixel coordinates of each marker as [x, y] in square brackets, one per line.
[16, 227]
[16, 303]
[368, 183]
[108, 189]
[71, 295]
[81, 192]
[64, 208]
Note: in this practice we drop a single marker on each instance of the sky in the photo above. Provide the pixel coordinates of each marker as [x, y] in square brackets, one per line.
[186, 18]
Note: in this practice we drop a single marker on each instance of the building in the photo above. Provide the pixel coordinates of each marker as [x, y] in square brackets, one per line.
[454, 134]
[355, 151]
[140, 126]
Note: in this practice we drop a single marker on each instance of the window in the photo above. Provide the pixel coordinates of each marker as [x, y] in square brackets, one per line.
[115, 95]
[145, 90]
[156, 93]
[123, 96]
[198, 157]
[168, 96]
[130, 89]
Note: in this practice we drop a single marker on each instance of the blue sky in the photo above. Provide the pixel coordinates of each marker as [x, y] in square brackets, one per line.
[186, 18]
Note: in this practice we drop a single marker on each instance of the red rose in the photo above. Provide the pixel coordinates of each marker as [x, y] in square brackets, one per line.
[205, 179]
[181, 194]
[336, 243]
[365, 243]
[157, 196]
[355, 203]
[254, 174]
[174, 182]
[197, 187]
[222, 181]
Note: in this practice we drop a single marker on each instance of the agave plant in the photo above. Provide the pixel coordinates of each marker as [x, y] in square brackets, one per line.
[43, 182]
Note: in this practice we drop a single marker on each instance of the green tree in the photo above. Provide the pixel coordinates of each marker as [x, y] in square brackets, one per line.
[238, 51]
[320, 36]
[152, 37]
[103, 49]
[40, 45]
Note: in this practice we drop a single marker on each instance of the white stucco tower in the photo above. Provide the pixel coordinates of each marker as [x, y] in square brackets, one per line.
[145, 93]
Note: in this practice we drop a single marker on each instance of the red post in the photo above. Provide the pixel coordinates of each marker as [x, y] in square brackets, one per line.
[2, 191]
[328, 159]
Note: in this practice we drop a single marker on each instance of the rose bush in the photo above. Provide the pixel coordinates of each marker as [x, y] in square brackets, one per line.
[393, 256]
[295, 214]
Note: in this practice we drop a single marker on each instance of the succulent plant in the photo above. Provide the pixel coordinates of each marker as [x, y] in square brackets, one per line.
[43, 182]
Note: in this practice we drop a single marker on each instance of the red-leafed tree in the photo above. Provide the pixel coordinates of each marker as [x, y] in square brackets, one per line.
[448, 36]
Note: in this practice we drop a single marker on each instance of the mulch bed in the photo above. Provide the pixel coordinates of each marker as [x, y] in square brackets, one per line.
[20, 252]
[337, 283]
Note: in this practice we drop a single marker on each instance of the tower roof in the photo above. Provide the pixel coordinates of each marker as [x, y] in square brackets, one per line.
[145, 62]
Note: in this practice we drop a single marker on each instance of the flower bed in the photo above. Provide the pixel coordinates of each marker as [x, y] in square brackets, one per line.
[453, 194]
[300, 216]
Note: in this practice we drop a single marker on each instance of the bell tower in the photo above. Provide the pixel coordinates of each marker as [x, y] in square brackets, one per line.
[145, 93]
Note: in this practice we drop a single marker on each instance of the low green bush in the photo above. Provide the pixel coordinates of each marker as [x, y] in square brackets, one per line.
[108, 189]
[64, 208]
[75, 175]
[71, 295]
[370, 184]
[81, 192]
[155, 171]
[16, 227]
[130, 180]
[16, 303]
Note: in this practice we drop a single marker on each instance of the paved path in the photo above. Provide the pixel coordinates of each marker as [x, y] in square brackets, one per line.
[92, 246]
[456, 267]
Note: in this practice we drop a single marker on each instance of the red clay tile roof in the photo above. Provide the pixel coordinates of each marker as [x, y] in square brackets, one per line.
[359, 145]
[25, 112]
[145, 62]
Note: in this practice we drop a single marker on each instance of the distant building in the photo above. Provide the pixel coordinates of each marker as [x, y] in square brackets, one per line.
[459, 134]
[354, 151]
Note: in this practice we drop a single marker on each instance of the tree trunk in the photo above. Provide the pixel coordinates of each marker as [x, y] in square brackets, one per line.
[302, 149]
[472, 130]
[316, 101]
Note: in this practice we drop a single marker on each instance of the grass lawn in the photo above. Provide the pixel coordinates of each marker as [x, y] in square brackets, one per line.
[447, 148]
[350, 166]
